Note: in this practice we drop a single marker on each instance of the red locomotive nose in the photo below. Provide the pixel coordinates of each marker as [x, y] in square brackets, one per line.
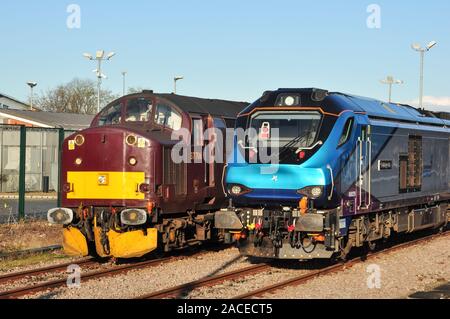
[107, 165]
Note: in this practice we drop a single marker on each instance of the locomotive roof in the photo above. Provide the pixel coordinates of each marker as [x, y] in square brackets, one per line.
[216, 107]
[336, 102]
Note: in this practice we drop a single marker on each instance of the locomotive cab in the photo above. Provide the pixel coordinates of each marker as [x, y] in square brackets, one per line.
[124, 194]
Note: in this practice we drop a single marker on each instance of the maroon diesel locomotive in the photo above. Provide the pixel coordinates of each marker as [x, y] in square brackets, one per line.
[122, 193]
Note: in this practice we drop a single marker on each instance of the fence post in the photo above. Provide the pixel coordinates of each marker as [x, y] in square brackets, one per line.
[60, 151]
[22, 172]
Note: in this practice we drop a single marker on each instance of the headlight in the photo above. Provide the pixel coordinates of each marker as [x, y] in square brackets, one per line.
[78, 161]
[312, 192]
[316, 191]
[237, 190]
[79, 140]
[60, 216]
[131, 140]
[133, 217]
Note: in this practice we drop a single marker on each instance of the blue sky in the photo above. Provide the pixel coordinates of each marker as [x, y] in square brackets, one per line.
[231, 49]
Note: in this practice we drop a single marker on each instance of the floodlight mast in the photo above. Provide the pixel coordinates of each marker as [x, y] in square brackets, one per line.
[99, 57]
[390, 81]
[417, 47]
[175, 80]
[31, 84]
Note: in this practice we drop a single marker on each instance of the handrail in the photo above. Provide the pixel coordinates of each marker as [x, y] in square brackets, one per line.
[360, 177]
[369, 145]
[332, 181]
[241, 144]
[308, 148]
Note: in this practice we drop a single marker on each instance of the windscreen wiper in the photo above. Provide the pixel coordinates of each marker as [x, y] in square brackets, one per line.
[293, 142]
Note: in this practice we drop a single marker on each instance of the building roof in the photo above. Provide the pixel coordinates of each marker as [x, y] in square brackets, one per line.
[206, 106]
[68, 121]
[14, 99]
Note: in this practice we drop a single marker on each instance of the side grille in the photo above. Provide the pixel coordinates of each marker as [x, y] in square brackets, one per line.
[174, 174]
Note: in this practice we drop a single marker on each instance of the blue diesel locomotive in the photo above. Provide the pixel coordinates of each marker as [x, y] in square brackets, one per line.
[350, 171]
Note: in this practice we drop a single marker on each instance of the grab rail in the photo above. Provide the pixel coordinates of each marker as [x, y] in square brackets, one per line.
[241, 144]
[332, 181]
[308, 148]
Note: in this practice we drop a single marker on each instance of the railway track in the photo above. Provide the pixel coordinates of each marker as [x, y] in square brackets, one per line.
[296, 281]
[58, 283]
[45, 270]
[28, 290]
[183, 289]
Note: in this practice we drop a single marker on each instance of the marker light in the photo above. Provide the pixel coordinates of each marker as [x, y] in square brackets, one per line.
[132, 161]
[78, 161]
[67, 188]
[144, 188]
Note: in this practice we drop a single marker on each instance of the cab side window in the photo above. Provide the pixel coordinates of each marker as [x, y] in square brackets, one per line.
[167, 117]
[347, 132]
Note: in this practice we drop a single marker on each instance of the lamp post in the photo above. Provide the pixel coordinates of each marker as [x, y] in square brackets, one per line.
[31, 85]
[422, 51]
[175, 80]
[390, 81]
[124, 74]
[99, 57]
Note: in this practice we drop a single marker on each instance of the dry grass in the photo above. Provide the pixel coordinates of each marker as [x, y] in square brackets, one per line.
[28, 235]
[9, 264]
[31, 194]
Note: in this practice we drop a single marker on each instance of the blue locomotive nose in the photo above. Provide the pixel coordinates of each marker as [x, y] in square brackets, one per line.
[283, 184]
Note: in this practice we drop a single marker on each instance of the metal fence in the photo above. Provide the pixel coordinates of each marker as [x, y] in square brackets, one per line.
[29, 164]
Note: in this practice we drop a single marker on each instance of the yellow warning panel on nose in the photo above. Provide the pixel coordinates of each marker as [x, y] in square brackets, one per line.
[106, 185]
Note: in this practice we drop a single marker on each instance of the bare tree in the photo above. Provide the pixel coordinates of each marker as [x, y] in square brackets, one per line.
[132, 90]
[77, 96]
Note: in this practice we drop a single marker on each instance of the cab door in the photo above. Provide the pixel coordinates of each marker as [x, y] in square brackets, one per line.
[198, 176]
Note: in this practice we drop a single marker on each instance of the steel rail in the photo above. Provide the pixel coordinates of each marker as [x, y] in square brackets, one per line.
[44, 270]
[23, 291]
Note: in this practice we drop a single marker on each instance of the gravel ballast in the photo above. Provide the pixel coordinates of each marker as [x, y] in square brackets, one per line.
[417, 268]
[143, 281]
